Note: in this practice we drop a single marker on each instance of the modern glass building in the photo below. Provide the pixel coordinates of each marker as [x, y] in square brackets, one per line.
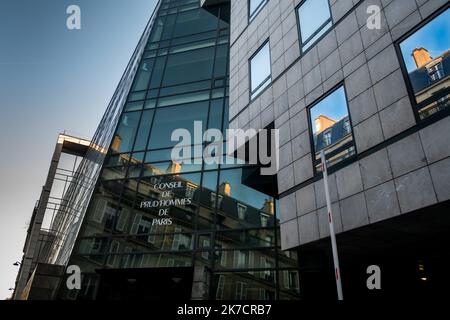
[157, 228]
[366, 82]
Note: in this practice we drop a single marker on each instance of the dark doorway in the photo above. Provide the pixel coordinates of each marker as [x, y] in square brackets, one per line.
[145, 284]
[411, 250]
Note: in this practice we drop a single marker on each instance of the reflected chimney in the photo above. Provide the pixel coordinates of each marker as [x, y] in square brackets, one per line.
[225, 189]
[116, 143]
[174, 167]
[269, 206]
[322, 123]
[421, 57]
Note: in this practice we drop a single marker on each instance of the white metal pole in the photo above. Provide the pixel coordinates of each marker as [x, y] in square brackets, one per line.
[337, 271]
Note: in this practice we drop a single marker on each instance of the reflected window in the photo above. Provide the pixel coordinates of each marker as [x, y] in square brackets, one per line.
[195, 21]
[144, 130]
[98, 210]
[314, 19]
[141, 225]
[255, 6]
[124, 138]
[114, 249]
[181, 241]
[327, 137]
[241, 291]
[189, 66]
[220, 287]
[241, 204]
[426, 57]
[260, 70]
[169, 119]
[239, 259]
[241, 211]
[123, 218]
[190, 190]
[264, 220]
[331, 128]
[216, 200]
[143, 76]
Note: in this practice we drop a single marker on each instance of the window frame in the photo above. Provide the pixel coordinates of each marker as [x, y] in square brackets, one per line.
[267, 81]
[346, 161]
[412, 98]
[300, 40]
[251, 16]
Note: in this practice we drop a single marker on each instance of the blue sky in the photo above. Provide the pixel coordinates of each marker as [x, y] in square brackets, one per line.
[51, 80]
[435, 37]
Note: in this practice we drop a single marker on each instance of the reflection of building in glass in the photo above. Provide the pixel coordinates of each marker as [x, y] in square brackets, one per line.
[430, 81]
[141, 242]
[154, 228]
[335, 137]
[332, 136]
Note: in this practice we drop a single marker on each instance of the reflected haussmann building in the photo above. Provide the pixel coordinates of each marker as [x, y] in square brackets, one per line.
[156, 228]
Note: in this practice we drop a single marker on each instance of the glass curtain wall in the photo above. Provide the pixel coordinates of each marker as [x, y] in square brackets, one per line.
[212, 218]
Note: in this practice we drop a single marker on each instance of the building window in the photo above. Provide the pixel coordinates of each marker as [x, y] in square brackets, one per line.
[219, 199]
[264, 220]
[220, 287]
[255, 6]
[123, 218]
[436, 72]
[241, 290]
[241, 211]
[314, 18]
[239, 259]
[181, 241]
[426, 60]
[190, 190]
[327, 137]
[331, 128]
[99, 210]
[347, 126]
[291, 280]
[265, 294]
[260, 70]
[114, 249]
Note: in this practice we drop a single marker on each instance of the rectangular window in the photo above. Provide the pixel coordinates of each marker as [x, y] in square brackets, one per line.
[239, 259]
[111, 261]
[314, 18]
[331, 128]
[126, 132]
[189, 66]
[168, 119]
[264, 220]
[426, 59]
[123, 218]
[260, 70]
[255, 6]
[241, 291]
[242, 209]
[220, 287]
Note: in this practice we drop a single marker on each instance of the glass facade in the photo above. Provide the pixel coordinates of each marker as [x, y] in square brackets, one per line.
[150, 212]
